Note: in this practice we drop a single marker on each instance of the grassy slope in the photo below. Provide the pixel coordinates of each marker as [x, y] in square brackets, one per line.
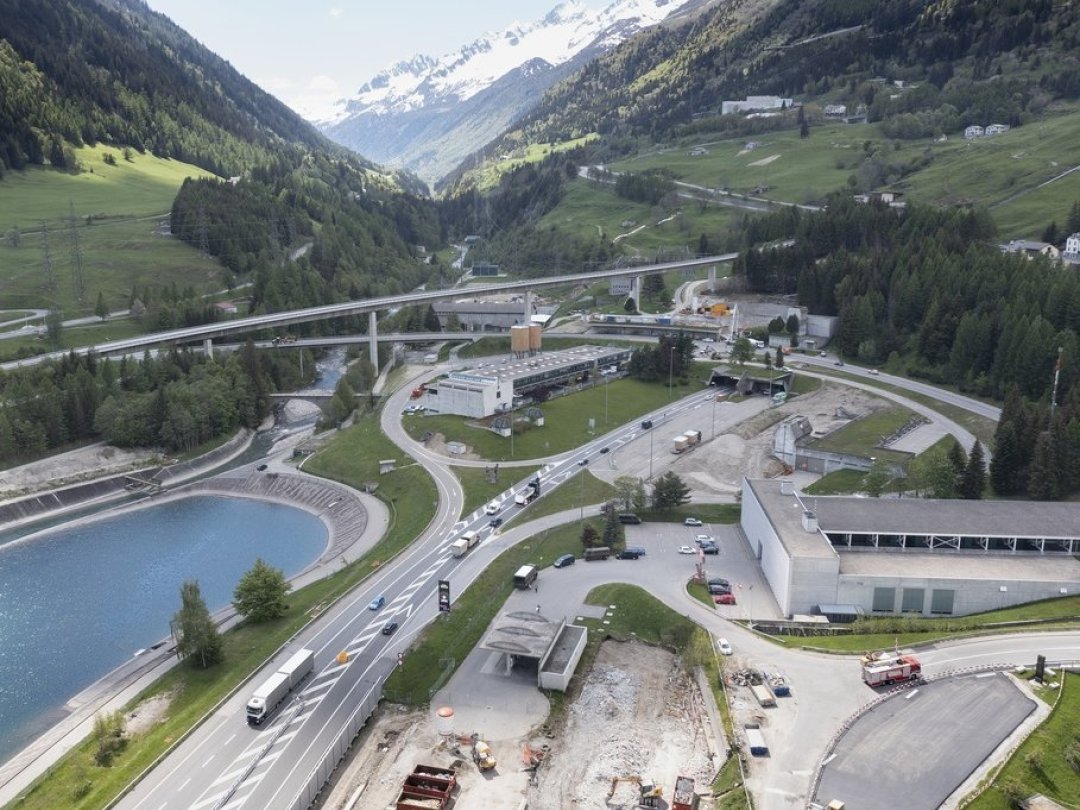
[119, 252]
[989, 171]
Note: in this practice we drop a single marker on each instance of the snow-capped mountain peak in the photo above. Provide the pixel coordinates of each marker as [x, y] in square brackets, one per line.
[457, 76]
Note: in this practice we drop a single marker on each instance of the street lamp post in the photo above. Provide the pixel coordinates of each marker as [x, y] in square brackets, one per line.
[714, 416]
[651, 432]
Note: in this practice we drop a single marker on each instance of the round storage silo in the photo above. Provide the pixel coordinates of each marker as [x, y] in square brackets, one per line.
[534, 337]
[444, 723]
[519, 339]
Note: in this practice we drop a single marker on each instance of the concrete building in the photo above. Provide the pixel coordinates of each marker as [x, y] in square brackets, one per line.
[529, 641]
[755, 103]
[1031, 249]
[909, 555]
[492, 389]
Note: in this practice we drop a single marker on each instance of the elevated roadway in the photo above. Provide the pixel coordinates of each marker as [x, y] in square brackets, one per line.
[370, 306]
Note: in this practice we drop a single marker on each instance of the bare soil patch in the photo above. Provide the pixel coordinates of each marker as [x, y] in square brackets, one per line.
[84, 464]
[638, 714]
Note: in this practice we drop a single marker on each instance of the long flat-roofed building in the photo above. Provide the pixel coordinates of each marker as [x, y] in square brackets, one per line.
[491, 388]
[909, 555]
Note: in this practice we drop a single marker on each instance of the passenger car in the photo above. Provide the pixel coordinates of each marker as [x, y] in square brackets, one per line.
[377, 603]
[710, 548]
[724, 599]
[691, 521]
[724, 646]
[389, 628]
[495, 523]
[705, 539]
[492, 508]
[874, 372]
[563, 561]
[686, 550]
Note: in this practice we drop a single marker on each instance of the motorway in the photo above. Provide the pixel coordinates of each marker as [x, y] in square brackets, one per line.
[206, 769]
[226, 763]
[330, 311]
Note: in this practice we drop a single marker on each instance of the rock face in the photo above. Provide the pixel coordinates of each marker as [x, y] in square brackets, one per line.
[427, 114]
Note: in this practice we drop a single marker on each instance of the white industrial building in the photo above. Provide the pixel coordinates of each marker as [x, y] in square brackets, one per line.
[883, 556]
[493, 389]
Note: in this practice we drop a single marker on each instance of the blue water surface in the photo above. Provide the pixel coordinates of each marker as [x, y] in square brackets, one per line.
[78, 602]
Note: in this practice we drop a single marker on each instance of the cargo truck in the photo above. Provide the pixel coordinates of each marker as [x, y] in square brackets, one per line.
[525, 576]
[883, 672]
[275, 688]
[679, 444]
[684, 797]
[461, 546]
[526, 496]
[693, 437]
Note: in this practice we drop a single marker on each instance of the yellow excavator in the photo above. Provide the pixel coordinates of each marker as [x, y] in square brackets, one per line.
[649, 793]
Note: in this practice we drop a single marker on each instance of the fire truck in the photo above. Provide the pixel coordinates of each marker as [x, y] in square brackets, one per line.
[883, 671]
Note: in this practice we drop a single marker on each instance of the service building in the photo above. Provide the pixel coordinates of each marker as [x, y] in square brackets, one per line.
[884, 556]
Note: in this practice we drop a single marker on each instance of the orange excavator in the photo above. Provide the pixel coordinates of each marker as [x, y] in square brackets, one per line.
[649, 793]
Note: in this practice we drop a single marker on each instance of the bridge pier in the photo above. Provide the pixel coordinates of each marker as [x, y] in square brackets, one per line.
[373, 340]
[528, 307]
[712, 277]
[635, 291]
[208, 347]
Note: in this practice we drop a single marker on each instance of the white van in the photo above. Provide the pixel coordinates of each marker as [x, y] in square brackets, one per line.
[492, 508]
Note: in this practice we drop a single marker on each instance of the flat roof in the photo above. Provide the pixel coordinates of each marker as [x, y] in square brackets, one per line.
[922, 516]
[785, 512]
[548, 361]
[521, 633]
[962, 565]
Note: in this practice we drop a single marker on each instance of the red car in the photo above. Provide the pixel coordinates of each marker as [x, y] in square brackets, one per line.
[724, 599]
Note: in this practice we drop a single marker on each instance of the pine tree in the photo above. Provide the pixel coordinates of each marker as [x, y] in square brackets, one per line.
[1005, 478]
[973, 481]
[958, 461]
[590, 538]
[1043, 478]
[101, 309]
[197, 637]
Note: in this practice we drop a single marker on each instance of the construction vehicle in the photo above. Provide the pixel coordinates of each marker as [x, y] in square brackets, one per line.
[684, 797]
[481, 754]
[649, 792]
[895, 669]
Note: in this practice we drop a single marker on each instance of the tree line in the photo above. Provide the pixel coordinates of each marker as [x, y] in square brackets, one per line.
[176, 400]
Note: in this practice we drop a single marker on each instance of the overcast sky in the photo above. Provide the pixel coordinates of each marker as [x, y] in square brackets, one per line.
[310, 54]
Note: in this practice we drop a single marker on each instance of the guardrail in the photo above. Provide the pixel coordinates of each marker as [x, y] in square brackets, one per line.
[313, 783]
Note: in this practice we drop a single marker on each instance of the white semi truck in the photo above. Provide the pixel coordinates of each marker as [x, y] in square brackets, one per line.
[274, 689]
[462, 545]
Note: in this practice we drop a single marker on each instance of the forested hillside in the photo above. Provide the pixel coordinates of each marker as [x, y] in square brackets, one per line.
[926, 292]
[83, 71]
[975, 61]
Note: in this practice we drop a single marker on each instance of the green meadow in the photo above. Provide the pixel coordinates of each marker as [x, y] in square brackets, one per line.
[120, 225]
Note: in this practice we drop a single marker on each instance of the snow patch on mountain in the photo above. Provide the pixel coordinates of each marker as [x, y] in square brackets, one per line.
[558, 37]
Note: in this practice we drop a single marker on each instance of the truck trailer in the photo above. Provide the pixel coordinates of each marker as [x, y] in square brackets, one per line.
[274, 689]
[763, 694]
[526, 496]
[693, 437]
[684, 797]
[883, 672]
[679, 444]
[461, 546]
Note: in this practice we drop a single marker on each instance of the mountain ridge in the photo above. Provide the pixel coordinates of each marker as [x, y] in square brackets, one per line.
[466, 97]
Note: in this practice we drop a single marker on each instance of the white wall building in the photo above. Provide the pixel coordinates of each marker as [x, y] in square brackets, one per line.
[753, 103]
[909, 555]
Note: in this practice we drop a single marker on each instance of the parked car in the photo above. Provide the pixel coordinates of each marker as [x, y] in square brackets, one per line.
[389, 628]
[710, 548]
[724, 646]
[719, 581]
[705, 539]
[724, 599]
[495, 523]
[718, 589]
[691, 521]
[686, 550]
[564, 560]
[377, 603]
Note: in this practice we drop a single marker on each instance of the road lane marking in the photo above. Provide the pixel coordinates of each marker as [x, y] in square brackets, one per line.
[209, 760]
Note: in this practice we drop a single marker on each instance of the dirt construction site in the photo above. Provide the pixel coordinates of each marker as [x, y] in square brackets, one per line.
[637, 716]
